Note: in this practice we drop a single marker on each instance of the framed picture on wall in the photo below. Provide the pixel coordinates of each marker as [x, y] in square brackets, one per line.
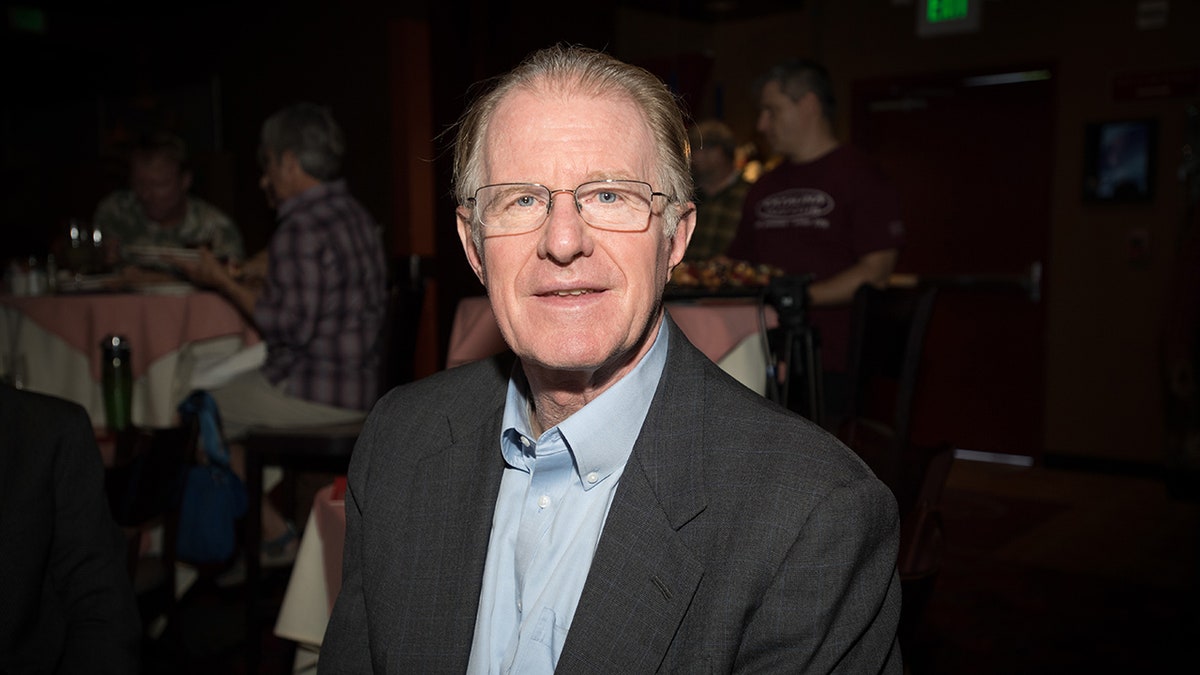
[1119, 159]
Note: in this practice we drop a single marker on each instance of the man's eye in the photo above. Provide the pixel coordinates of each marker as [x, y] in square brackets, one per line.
[525, 201]
[607, 197]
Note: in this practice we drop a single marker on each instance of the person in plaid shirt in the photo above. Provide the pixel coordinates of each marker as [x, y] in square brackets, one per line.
[317, 294]
[720, 189]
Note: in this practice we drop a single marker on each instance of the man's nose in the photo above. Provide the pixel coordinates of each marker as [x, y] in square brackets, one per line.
[565, 236]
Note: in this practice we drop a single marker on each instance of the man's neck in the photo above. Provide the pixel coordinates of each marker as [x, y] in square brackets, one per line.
[555, 394]
[175, 218]
[818, 148]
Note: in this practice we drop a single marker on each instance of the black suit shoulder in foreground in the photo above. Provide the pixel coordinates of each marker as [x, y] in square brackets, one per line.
[66, 601]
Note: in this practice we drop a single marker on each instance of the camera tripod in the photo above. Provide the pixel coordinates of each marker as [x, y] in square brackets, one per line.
[795, 349]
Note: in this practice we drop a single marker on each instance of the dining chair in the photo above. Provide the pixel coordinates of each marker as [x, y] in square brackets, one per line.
[326, 448]
[887, 340]
[144, 485]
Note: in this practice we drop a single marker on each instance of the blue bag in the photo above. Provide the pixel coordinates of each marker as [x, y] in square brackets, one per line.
[213, 496]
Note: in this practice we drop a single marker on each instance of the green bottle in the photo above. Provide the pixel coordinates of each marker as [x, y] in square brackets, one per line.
[117, 382]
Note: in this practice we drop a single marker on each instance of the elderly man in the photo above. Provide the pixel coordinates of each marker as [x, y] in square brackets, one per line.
[158, 211]
[611, 502]
[317, 296]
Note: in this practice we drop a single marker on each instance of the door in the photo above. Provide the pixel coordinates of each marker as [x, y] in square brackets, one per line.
[971, 154]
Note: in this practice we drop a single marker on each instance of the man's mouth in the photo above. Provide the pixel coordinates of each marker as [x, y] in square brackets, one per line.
[569, 293]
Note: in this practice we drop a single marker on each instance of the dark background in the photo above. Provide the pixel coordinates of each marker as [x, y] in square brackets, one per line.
[991, 178]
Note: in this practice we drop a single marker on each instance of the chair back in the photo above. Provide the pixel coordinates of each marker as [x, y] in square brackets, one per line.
[398, 334]
[887, 338]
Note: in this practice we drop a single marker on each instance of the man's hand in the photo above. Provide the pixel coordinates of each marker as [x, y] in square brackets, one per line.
[210, 272]
[873, 268]
[207, 270]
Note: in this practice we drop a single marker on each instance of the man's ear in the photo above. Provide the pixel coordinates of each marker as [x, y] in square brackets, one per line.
[683, 234]
[474, 255]
[186, 179]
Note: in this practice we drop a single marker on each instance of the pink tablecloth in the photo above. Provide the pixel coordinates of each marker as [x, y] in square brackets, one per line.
[155, 324]
[55, 341]
[715, 327]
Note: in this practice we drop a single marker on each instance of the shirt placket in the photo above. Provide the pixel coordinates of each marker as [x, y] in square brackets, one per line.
[549, 475]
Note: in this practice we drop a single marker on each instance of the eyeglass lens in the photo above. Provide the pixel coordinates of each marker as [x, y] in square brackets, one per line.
[620, 205]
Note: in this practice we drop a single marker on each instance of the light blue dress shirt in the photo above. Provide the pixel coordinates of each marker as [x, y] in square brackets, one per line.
[554, 498]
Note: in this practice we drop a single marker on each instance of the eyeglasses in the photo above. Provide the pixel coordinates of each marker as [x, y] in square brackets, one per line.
[515, 208]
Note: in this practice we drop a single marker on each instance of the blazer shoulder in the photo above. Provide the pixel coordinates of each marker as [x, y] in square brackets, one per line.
[738, 426]
[452, 391]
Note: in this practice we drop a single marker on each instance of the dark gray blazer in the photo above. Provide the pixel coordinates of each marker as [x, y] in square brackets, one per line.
[741, 538]
[66, 602]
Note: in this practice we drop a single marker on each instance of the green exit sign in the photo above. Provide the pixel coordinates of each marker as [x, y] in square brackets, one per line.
[945, 10]
[947, 17]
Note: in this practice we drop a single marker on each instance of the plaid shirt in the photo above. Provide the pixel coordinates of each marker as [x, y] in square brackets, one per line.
[324, 301]
[717, 220]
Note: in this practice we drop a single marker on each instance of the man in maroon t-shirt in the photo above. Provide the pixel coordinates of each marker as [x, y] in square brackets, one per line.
[826, 210]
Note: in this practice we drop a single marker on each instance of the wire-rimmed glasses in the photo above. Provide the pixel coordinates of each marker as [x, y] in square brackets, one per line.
[515, 208]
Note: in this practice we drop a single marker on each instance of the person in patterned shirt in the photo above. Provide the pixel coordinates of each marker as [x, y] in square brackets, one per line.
[317, 298]
[720, 189]
[157, 210]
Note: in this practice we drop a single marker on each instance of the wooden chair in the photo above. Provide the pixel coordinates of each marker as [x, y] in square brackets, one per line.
[144, 486]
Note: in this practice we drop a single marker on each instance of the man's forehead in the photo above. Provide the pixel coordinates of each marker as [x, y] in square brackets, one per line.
[566, 116]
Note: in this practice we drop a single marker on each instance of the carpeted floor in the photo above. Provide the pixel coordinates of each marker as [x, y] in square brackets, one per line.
[1062, 572]
[1045, 571]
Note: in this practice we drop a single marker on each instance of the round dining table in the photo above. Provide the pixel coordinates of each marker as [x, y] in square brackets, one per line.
[52, 344]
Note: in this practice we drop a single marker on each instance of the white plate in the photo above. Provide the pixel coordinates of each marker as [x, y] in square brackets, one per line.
[160, 253]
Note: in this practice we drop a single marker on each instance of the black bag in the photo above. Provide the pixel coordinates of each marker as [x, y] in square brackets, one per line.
[213, 496]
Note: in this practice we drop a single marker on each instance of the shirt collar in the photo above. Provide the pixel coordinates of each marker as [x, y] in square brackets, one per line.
[602, 433]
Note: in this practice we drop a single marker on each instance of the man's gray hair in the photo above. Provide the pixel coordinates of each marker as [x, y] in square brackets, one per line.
[573, 69]
[310, 133]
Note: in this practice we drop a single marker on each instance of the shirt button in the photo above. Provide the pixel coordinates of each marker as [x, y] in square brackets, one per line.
[525, 441]
[519, 607]
[543, 501]
[592, 478]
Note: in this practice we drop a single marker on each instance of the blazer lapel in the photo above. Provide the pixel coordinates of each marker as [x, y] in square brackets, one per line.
[446, 517]
[470, 505]
[643, 575]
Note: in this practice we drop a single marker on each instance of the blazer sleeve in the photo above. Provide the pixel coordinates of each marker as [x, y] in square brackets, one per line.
[346, 647]
[834, 605]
